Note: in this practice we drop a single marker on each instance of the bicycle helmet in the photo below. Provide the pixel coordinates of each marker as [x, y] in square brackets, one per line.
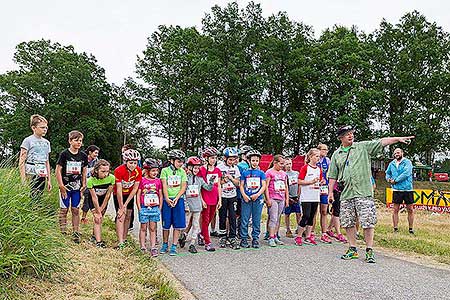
[151, 163]
[230, 152]
[210, 151]
[176, 154]
[194, 161]
[244, 149]
[131, 154]
[253, 153]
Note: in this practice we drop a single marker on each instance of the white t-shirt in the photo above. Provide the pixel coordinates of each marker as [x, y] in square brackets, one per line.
[228, 188]
[311, 192]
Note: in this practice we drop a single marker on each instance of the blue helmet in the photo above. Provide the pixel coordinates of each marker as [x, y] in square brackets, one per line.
[231, 152]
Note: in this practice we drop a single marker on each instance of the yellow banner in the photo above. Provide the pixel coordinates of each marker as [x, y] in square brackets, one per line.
[433, 200]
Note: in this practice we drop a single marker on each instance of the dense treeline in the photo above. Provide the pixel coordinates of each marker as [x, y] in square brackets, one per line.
[244, 79]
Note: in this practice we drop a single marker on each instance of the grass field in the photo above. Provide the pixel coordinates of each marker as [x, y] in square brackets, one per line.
[101, 274]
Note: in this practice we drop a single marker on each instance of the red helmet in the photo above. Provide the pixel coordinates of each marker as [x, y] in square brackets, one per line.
[194, 161]
[209, 151]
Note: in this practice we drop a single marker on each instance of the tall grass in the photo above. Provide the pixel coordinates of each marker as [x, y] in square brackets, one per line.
[29, 241]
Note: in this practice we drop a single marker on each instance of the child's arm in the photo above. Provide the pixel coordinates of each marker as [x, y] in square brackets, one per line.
[166, 192]
[107, 197]
[266, 193]
[132, 193]
[95, 201]
[261, 190]
[83, 179]
[206, 186]
[180, 193]
[138, 199]
[49, 178]
[286, 192]
[160, 199]
[219, 203]
[22, 159]
[120, 211]
[244, 195]
[62, 188]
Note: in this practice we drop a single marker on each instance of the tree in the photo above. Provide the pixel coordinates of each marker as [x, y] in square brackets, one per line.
[66, 87]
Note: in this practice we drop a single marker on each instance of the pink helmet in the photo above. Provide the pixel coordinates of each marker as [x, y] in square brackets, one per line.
[194, 161]
[209, 151]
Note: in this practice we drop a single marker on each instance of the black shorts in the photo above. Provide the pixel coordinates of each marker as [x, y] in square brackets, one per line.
[87, 202]
[124, 198]
[336, 205]
[400, 197]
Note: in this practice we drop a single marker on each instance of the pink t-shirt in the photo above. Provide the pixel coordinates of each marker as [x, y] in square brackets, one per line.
[210, 197]
[150, 191]
[277, 184]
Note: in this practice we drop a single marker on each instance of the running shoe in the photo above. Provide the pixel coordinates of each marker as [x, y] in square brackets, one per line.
[395, 230]
[93, 240]
[325, 239]
[173, 250]
[331, 234]
[200, 240]
[244, 244]
[182, 240]
[234, 244]
[411, 231]
[255, 244]
[209, 247]
[100, 244]
[272, 242]
[164, 248]
[76, 237]
[266, 236]
[289, 234]
[143, 250]
[350, 254]
[278, 241]
[223, 242]
[341, 238]
[298, 241]
[370, 256]
[310, 240]
[154, 252]
[192, 248]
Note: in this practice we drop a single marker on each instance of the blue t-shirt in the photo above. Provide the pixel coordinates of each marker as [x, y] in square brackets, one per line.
[324, 164]
[253, 179]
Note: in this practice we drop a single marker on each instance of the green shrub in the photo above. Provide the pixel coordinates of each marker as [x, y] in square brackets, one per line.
[29, 239]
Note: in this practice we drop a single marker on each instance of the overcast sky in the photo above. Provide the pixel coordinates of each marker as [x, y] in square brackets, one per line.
[115, 32]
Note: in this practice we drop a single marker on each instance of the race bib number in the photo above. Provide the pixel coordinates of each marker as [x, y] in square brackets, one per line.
[174, 180]
[73, 167]
[40, 170]
[101, 192]
[279, 186]
[212, 178]
[293, 180]
[228, 186]
[324, 189]
[192, 190]
[253, 183]
[127, 184]
[151, 199]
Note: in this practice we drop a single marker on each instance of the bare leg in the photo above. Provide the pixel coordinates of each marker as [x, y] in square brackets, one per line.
[395, 215]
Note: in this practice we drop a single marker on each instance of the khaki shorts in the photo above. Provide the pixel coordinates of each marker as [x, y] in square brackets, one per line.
[359, 207]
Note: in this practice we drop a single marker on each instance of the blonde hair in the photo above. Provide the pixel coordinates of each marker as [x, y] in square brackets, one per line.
[320, 146]
[276, 158]
[98, 164]
[75, 134]
[310, 153]
[36, 119]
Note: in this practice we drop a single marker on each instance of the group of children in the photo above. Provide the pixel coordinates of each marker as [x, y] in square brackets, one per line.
[186, 194]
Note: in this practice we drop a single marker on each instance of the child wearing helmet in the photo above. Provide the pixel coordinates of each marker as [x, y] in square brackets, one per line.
[128, 176]
[149, 204]
[194, 201]
[252, 186]
[173, 179]
[230, 180]
[242, 166]
[213, 198]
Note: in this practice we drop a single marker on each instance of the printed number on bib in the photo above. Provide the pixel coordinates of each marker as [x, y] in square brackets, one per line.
[228, 186]
[41, 170]
[101, 192]
[293, 180]
[253, 183]
[73, 167]
[324, 189]
[192, 190]
[151, 200]
[279, 185]
[174, 180]
[212, 177]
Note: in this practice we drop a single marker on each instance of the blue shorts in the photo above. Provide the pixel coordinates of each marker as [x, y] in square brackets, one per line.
[72, 200]
[149, 214]
[173, 216]
[293, 208]
[324, 199]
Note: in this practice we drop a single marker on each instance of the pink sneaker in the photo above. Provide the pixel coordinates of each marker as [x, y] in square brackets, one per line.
[298, 240]
[325, 239]
[341, 238]
[331, 234]
[310, 240]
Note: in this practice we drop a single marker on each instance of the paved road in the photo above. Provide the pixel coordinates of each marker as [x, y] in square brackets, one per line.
[307, 272]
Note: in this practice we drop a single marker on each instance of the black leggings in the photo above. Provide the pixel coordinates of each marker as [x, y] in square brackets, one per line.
[309, 210]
